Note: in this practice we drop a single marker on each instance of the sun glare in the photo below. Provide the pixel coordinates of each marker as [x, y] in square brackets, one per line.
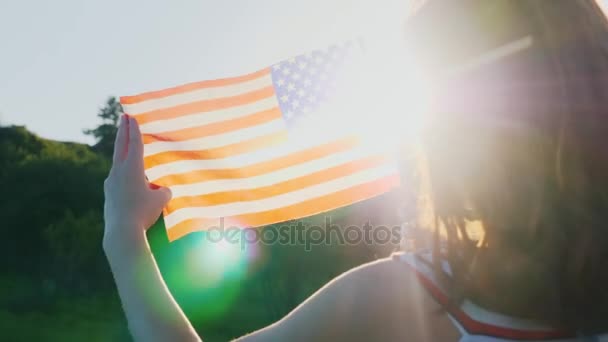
[388, 93]
[215, 261]
[381, 98]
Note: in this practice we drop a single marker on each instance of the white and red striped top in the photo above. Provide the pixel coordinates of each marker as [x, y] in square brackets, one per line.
[477, 324]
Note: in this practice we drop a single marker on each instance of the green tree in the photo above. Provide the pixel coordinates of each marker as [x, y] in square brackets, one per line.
[106, 131]
[75, 260]
[45, 180]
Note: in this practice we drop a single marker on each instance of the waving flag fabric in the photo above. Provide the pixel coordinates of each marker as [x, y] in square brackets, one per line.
[234, 149]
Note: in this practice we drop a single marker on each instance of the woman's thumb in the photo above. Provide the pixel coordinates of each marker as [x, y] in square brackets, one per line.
[162, 194]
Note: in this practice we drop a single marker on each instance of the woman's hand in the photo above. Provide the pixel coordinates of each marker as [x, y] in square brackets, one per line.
[132, 204]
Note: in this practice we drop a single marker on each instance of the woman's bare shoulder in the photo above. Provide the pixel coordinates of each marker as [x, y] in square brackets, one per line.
[380, 300]
[387, 277]
[390, 267]
[388, 286]
[405, 309]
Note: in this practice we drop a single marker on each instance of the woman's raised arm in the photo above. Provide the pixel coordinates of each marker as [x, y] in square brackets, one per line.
[132, 205]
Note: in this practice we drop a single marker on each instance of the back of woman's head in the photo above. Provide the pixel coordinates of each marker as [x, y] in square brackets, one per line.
[516, 141]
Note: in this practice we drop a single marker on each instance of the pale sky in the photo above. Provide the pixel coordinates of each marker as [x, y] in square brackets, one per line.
[60, 60]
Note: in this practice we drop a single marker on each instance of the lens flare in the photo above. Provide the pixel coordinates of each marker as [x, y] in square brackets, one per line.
[207, 273]
[215, 260]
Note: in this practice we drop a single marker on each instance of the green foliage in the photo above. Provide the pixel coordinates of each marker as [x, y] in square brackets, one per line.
[105, 133]
[65, 320]
[73, 243]
[51, 184]
[52, 259]
[16, 144]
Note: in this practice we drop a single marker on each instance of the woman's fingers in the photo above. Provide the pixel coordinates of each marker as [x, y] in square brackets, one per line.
[120, 143]
[136, 145]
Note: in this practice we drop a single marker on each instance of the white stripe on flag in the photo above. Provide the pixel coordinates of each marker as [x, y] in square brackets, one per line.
[210, 117]
[233, 162]
[280, 201]
[218, 140]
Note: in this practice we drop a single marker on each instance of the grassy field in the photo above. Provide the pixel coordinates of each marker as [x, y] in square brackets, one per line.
[67, 320]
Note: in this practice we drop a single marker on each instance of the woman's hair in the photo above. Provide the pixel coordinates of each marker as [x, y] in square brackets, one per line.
[517, 140]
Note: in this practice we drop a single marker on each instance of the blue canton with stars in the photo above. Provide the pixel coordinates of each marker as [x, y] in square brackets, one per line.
[305, 82]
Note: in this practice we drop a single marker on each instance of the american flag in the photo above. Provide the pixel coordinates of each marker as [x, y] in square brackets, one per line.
[256, 149]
